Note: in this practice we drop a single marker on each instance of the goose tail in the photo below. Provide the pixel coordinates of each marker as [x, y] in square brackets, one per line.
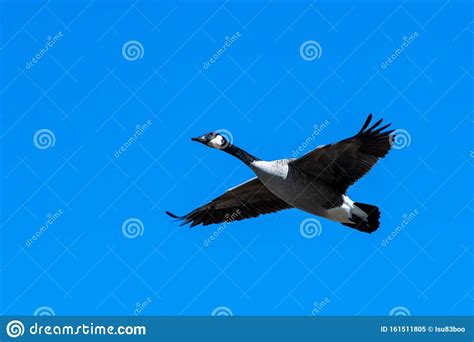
[365, 217]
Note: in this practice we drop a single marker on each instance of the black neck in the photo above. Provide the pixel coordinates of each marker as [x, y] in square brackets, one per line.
[239, 153]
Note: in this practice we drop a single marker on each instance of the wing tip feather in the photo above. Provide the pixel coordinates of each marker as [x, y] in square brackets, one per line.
[173, 215]
[373, 130]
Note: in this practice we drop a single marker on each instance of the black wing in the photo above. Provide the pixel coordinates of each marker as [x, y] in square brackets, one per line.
[249, 199]
[343, 163]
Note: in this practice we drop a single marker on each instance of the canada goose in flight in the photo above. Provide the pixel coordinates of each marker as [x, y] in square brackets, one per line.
[316, 182]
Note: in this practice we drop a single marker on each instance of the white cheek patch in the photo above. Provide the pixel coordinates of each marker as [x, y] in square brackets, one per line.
[216, 142]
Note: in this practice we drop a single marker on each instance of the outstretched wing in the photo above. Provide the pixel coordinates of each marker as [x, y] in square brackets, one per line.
[343, 163]
[249, 199]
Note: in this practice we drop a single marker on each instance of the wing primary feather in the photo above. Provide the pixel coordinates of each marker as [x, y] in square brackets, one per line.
[366, 124]
[373, 126]
[378, 130]
[173, 215]
[341, 164]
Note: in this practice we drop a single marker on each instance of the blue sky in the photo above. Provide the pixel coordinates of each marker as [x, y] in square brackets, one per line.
[83, 80]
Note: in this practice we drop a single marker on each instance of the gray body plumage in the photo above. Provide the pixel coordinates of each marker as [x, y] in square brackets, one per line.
[295, 187]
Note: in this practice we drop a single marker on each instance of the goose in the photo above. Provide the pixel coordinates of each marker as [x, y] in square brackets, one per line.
[316, 183]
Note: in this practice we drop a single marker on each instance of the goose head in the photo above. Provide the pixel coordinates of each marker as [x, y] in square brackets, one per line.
[213, 139]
